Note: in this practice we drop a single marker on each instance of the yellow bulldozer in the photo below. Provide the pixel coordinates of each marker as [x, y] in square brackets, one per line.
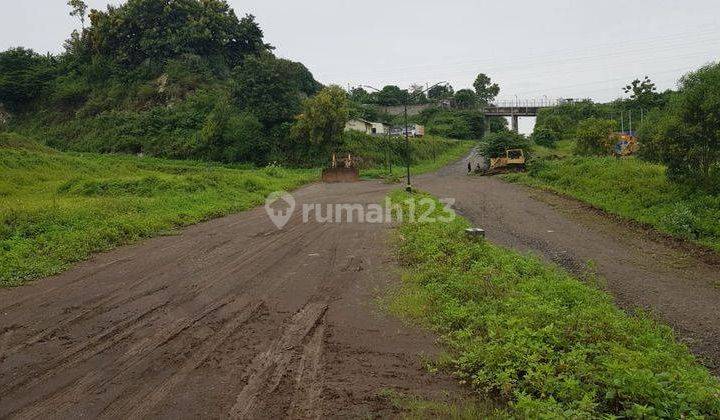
[512, 161]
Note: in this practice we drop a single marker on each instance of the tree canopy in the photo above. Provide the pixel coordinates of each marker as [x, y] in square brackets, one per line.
[156, 30]
[485, 89]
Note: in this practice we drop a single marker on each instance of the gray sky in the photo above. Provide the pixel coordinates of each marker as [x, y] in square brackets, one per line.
[557, 48]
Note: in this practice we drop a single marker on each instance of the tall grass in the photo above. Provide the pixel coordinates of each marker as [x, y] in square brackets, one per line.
[633, 189]
[58, 208]
[530, 334]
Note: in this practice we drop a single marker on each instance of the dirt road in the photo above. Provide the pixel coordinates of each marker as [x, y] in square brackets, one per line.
[230, 318]
[638, 267]
[235, 318]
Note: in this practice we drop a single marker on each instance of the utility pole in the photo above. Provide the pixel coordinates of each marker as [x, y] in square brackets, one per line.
[408, 186]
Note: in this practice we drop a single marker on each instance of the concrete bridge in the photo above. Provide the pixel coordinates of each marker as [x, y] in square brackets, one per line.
[516, 109]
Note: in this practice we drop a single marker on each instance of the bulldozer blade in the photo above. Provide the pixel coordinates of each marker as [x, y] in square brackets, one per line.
[332, 175]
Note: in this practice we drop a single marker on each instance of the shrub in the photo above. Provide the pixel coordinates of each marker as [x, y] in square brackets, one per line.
[689, 136]
[594, 136]
[545, 137]
[495, 144]
[446, 124]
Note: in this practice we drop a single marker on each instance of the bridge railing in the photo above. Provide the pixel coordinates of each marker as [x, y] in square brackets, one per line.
[525, 103]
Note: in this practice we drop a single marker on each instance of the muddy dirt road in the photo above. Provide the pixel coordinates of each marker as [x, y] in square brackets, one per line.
[231, 318]
[235, 318]
[638, 267]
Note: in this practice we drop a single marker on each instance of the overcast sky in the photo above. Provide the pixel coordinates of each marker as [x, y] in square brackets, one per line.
[556, 48]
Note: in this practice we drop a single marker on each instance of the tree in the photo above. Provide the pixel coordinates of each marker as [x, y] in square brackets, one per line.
[157, 30]
[271, 88]
[475, 120]
[323, 119]
[497, 124]
[230, 136]
[465, 99]
[439, 92]
[643, 92]
[484, 88]
[24, 76]
[78, 8]
[417, 94]
[690, 145]
[595, 136]
[448, 124]
[392, 96]
[360, 95]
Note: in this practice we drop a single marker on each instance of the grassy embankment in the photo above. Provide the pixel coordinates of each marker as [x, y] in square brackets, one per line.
[427, 154]
[531, 335]
[58, 208]
[633, 189]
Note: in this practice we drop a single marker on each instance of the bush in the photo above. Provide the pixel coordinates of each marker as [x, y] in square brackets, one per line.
[594, 136]
[446, 124]
[689, 136]
[543, 136]
[495, 144]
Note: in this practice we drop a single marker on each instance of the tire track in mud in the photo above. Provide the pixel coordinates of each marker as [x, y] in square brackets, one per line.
[270, 367]
[231, 318]
[115, 299]
[141, 405]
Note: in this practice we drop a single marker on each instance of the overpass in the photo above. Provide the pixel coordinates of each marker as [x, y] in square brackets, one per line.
[517, 108]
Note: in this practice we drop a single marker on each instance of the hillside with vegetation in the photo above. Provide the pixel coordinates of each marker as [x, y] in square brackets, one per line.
[189, 80]
[182, 80]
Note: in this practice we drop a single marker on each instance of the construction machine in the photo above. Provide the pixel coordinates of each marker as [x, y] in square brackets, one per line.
[512, 161]
[626, 145]
[342, 170]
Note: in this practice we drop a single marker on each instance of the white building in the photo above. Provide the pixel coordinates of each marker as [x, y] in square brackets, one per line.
[359, 125]
[367, 127]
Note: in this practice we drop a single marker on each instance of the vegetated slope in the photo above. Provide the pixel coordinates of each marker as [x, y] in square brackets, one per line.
[185, 79]
[58, 208]
[531, 334]
[633, 189]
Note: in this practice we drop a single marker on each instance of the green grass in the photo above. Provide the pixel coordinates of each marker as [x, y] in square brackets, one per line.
[452, 407]
[633, 189]
[450, 151]
[546, 343]
[59, 208]
[562, 149]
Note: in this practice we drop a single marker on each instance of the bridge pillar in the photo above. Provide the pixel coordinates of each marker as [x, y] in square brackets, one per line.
[515, 123]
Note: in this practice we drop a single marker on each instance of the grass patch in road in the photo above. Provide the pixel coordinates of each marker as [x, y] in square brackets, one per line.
[59, 208]
[532, 335]
[633, 189]
[414, 407]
